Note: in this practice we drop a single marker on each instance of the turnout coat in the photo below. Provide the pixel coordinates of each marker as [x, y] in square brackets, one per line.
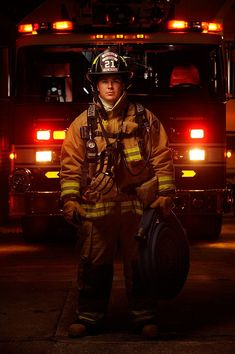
[142, 167]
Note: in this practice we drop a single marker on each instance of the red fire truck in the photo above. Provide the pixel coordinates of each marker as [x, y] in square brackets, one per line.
[180, 75]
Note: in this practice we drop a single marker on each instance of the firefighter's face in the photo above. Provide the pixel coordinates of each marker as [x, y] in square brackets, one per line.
[110, 88]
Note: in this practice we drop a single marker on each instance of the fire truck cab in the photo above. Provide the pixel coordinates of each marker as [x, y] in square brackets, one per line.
[179, 74]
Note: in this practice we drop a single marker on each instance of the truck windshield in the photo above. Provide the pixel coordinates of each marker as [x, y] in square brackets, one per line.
[58, 73]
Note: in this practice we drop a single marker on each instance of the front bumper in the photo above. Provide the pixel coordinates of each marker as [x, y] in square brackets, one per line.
[202, 202]
[35, 203]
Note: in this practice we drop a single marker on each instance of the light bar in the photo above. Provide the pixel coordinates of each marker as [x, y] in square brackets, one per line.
[197, 155]
[43, 156]
[43, 135]
[177, 25]
[63, 25]
[212, 27]
[215, 27]
[28, 28]
[25, 28]
[197, 133]
[194, 26]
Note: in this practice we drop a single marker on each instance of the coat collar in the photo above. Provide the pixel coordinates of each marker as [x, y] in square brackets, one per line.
[119, 109]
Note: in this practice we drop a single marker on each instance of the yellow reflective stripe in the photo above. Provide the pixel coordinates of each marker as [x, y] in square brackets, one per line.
[95, 60]
[132, 205]
[70, 187]
[132, 154]
[165, 183]
[102, 209]
[98, 209]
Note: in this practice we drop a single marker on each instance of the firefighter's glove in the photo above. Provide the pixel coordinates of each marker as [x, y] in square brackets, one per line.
[164, 203]
[102, 183]
[147, 192]
[73, 212]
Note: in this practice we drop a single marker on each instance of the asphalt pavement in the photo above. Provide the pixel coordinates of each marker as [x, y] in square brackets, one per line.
[37, 303]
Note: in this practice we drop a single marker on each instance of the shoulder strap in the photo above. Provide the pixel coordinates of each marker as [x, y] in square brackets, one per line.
[91, 120]
[88, 131]
[141, 119]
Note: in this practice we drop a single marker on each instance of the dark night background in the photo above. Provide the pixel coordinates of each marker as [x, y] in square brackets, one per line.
[15, 10]
[222, 10]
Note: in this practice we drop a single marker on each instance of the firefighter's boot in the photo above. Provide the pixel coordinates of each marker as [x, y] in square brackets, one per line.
[77, 330]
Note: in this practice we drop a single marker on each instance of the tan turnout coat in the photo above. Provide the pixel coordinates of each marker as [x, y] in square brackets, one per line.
[129, 174]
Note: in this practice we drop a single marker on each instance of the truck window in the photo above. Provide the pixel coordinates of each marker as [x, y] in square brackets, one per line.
[51, 74]
[185, 75]
[58, 73]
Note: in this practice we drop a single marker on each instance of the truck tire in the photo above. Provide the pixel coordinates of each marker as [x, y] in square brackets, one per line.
[37, 229]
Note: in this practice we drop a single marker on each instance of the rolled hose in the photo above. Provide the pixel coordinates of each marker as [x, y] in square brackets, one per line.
[164, 256]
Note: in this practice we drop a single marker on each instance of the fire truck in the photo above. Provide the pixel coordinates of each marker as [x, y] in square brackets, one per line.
[179, 74]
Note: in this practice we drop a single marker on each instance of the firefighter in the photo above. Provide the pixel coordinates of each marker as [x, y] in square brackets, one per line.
[115, 161]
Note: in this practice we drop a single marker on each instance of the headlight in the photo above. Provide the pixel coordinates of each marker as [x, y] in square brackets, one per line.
[197, 155]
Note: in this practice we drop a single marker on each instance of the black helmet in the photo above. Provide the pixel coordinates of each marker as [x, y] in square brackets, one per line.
[108, 62]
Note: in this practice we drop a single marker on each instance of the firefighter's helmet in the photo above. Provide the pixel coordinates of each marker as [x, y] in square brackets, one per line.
[109, 63]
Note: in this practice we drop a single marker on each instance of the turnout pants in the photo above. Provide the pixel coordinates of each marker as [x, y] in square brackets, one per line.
[97, 246]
